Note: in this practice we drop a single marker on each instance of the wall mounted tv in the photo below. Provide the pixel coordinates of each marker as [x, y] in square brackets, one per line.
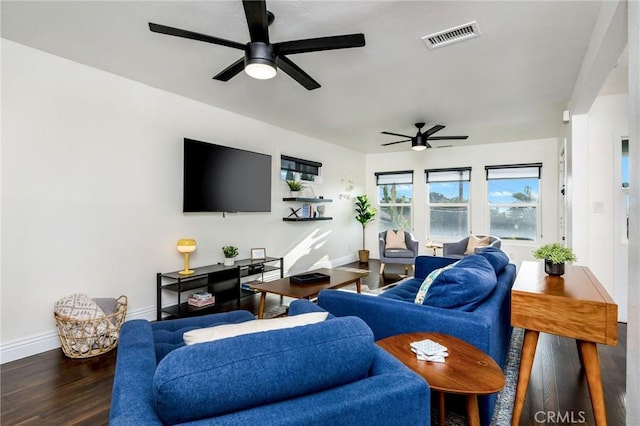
[223, 179]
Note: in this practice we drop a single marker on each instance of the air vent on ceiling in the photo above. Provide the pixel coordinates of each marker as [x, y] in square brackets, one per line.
[452, 35]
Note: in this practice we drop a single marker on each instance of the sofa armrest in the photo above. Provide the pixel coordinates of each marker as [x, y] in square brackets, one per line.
[411, 243]
[132, 397]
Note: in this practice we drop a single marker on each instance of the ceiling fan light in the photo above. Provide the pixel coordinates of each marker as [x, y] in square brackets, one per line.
[259, 61]
[260, 71]
[418, 147]
[418, 143]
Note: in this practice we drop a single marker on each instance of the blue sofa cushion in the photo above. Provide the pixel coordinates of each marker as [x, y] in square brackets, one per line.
[464, 286]
[496, 257]
[424, 287]
[228, 375]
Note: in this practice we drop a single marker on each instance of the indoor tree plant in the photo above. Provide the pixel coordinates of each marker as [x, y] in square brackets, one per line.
[229, 253]
[365, 213]
[555, 256]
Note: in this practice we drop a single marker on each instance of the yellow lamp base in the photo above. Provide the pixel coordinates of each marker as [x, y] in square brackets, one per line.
[186, 272]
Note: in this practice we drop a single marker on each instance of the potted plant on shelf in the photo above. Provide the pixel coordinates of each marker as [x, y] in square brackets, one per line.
[229, 253]
[365, 213]
[555, 256]
[295, 187]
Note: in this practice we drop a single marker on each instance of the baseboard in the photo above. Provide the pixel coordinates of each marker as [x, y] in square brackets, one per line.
[42, 342]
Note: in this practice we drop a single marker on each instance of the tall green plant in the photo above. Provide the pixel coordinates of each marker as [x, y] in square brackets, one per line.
[365, 213]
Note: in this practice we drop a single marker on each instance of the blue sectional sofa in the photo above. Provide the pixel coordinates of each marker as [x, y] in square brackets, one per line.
[482, 317]
[327, 373]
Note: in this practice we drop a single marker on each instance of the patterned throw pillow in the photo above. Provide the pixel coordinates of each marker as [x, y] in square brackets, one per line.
[395, 240]
[78, 307]
[422, 291]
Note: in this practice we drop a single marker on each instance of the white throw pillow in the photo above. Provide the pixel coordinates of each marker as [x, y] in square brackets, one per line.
[395, 240]
[476, 242]
[224, 331]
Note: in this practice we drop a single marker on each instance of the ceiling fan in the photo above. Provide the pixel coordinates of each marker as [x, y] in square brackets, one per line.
[420, 142]
[262, 58]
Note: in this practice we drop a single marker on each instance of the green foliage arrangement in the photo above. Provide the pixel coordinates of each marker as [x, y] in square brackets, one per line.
[230, 251]
[295, 185]
[555, 253]
[365, 213]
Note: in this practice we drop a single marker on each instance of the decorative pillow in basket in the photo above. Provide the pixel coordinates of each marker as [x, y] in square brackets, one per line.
[89, 327]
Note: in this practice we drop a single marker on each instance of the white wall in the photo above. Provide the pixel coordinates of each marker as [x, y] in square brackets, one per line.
[92, 192]
[607, 121]
[477, 157]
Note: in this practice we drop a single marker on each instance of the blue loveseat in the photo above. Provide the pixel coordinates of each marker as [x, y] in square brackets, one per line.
[484, 321]
[328, 373]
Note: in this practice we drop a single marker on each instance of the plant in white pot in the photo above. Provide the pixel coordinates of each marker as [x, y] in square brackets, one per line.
[229, 253]
[555, 256]
[295, 187]
[365, 213]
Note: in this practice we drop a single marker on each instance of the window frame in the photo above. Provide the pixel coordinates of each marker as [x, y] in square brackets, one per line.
[443, 178]
[500, 172]
[381, 176]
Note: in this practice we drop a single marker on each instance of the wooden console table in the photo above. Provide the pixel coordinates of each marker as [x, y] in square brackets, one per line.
[574, 305]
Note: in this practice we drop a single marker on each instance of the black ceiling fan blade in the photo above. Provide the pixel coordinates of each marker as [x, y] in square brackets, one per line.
[396, 134]
[393, 143]
[447, 138]
[257, 20]
[295, 72]
[433, 130]
[320, 43]
[177, 32]
[231, 71]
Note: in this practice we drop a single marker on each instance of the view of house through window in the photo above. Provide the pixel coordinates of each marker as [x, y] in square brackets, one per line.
[448, 205]
[395, 199]
[514, 197]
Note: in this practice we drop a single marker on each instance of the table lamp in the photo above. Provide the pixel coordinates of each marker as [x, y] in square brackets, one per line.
[186, 246]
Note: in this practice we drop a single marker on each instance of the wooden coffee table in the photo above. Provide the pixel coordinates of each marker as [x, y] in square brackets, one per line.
[467, 370]
[284, 286]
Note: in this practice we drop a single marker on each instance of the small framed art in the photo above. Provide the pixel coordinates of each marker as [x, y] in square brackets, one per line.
[258, 254]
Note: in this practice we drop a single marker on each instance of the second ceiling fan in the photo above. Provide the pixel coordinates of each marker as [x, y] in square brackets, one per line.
[262, 58]
[420, 142]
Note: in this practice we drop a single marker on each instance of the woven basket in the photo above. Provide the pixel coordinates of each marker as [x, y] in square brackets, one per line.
[91, 337]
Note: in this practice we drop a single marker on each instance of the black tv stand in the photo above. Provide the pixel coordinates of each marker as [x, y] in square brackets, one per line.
[222, 281]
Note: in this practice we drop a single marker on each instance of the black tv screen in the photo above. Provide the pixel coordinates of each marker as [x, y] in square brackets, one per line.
[223, 179]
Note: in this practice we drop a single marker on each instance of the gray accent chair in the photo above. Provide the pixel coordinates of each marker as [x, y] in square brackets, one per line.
[404, 257]
[457, 249]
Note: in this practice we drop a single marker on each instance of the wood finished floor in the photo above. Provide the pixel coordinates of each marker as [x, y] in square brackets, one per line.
[49, 388]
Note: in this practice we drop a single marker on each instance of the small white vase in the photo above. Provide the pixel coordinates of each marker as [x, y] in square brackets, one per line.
[228, 261]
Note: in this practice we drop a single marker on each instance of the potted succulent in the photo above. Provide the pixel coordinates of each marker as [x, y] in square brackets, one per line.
[229, 253]
[295, 187]
[555, 256]
[365, 213]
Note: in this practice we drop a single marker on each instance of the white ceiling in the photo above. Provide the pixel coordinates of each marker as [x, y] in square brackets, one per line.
[512, 83]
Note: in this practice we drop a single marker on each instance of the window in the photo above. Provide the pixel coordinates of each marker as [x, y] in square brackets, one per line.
[448, 203]
[624, 167]
[298, 169]
[395, 199]
[514, 198]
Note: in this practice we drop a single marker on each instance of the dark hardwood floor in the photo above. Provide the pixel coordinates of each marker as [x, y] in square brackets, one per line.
[50, 388]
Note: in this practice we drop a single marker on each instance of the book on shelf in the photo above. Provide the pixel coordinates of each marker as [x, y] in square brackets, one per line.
[201, 295]
[247, 285]
[201, 302]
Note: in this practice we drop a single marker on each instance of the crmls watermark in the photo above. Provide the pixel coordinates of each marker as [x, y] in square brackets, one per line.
[558, 417]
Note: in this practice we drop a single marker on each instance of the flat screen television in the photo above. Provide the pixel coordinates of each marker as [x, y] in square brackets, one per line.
[224, 179]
